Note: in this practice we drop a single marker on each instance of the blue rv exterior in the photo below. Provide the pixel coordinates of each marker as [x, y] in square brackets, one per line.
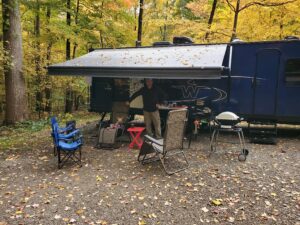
[262, 82]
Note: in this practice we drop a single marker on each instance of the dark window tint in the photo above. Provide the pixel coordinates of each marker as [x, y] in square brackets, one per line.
[292, 71]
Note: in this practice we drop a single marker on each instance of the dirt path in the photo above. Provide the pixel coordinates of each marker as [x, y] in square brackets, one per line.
[113, 188]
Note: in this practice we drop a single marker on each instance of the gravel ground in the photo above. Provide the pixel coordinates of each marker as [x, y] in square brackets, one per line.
[113, 188]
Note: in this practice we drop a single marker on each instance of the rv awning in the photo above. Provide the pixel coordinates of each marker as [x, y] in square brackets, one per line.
[172, 62]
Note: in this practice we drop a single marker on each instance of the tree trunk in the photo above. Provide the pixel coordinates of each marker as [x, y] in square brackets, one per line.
[78, 101]
[100, 31]
[135, 16]
[140, 24]
[49, 46]
[281, 25]
[68, 43]
[235, 22]
[69, 92]
[37, 60]
[211, 18]
[76, 22]
[69, 100]
[101, 39]
[48, 90]
[166, 19]
[15, 86]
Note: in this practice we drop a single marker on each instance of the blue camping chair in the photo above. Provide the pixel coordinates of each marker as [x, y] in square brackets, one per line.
[66, 146]
[64, 133]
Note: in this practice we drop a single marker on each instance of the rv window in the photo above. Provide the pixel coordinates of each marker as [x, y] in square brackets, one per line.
[292, 71]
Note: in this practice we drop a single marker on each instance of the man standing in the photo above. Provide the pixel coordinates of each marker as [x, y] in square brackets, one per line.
[152, 97]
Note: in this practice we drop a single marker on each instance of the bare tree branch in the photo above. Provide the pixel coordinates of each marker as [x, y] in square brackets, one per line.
[267, 4]
[230, 6]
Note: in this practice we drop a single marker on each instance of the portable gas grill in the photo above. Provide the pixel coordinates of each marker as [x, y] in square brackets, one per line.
[227, 119]
[227, 122]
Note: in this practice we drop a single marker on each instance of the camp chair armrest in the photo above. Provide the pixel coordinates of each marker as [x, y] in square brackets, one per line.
[64, 129]
[71, 138]
[72, 134]
[153, 140]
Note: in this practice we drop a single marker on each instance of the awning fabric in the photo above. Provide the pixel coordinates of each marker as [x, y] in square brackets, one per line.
[171, 62]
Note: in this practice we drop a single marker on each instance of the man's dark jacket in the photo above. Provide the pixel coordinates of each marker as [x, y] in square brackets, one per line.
[151, 97]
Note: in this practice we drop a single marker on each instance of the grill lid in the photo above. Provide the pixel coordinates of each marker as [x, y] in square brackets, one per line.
[227, 116]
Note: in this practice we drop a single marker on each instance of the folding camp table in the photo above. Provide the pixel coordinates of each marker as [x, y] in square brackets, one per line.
[135, 133]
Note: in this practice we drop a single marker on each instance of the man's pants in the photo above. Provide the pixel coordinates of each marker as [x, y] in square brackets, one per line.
[152, 117]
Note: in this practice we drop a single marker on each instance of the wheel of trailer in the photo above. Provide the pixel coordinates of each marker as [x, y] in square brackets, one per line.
[242, 157]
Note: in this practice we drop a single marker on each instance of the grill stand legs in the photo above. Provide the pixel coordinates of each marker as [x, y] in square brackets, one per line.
[214, 142]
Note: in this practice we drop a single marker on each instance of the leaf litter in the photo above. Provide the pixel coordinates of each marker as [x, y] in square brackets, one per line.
[115, 189]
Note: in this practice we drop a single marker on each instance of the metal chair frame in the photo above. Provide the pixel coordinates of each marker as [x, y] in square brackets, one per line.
[68, 155]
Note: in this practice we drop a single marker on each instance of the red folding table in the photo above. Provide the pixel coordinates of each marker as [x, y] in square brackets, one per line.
[135, 133]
